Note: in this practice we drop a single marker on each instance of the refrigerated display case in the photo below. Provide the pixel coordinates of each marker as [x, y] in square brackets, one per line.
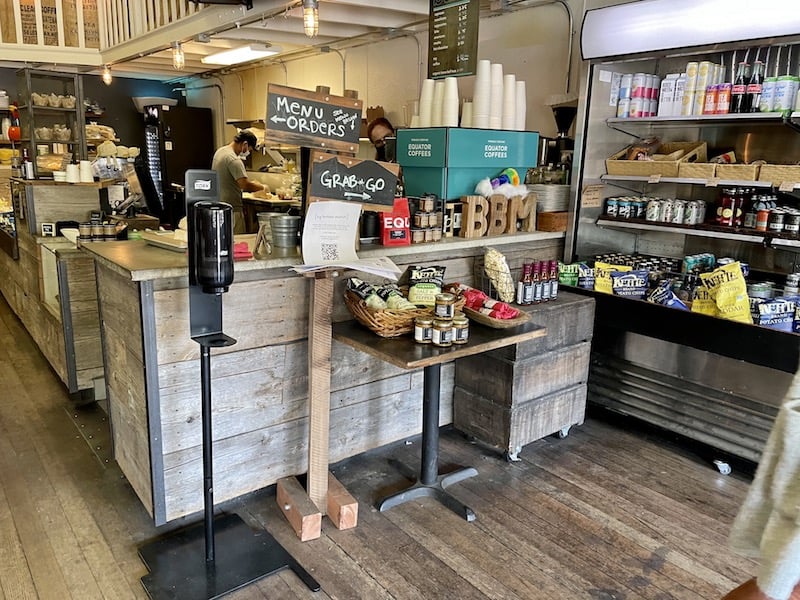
[177, 138]
[713, 380]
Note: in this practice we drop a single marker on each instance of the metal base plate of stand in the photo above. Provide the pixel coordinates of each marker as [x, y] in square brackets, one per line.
[178, 568]
[433, 490]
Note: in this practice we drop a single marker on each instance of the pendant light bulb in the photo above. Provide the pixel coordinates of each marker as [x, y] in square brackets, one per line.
[178, 57]
[311, 17]
[106, 75]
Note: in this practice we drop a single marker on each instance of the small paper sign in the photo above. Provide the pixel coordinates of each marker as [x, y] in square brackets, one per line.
[654, 179]
[591, 196]
[712, 182]
[787, 186]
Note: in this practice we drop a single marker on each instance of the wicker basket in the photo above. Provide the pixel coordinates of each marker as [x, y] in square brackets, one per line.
[697, 170]
[737, 172]
[694, 152]
[386, 322]
[778, 174]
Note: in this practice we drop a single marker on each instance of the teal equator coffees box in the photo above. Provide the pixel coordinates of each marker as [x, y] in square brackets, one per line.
[450, 161]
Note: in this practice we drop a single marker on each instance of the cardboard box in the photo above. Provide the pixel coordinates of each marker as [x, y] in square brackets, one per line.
[551, 221]
[450, 161]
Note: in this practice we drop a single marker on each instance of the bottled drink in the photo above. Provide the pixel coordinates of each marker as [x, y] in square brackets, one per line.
[553, 279]
[739, 90]
[524, 286]
[545, 278]
[537, 282]
[754, 87]
[27, 165]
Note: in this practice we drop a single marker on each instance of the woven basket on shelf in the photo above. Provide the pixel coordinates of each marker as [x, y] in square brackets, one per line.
[387, 322]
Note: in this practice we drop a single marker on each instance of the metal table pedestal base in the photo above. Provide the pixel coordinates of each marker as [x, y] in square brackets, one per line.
[434, 490]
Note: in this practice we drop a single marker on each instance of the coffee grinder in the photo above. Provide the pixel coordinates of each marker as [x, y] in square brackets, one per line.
[560, 149]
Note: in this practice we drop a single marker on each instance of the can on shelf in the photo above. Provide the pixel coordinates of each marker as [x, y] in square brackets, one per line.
[624, 208]
[791, 224]
[667, 209]
[612, 209]
[625, 86]
[624, 108]
[678, 211]
[775, 222]
[653, 211]
[762, 219]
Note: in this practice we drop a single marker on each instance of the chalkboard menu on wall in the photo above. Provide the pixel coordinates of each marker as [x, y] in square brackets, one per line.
[453, 38]
[367, 182]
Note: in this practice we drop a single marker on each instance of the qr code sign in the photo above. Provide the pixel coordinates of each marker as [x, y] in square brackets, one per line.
[330, 251]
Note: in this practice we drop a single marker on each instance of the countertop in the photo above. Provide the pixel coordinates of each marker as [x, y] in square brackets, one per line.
[141, 262]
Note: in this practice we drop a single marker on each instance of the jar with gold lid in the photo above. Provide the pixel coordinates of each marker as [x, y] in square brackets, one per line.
[442, 333]
[445, 307]
[423, 330]
[460, 329]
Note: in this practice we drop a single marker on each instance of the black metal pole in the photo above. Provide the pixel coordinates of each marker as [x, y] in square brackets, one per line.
[430, 425]
[208, 474]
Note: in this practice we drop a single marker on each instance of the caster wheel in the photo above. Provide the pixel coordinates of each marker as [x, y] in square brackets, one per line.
[513, 456]
[563, 432]
[723, 467]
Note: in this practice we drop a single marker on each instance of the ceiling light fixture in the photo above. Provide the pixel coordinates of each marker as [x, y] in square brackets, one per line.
[311, 17]
[106, 75]
[241, 54]
[178, 57]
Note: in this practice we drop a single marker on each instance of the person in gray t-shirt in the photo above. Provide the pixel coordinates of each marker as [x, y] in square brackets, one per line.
[232, 177]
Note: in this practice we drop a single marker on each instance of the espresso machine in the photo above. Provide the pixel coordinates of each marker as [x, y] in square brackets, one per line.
[558, 151]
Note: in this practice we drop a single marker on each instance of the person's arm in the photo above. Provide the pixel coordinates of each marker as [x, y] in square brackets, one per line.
[248, 185]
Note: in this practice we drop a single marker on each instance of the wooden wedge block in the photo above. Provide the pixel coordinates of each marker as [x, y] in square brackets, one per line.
[298, 509]
[342, 507]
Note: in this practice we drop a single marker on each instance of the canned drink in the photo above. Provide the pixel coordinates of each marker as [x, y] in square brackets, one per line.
[691, 213]
[639, 86]
[775, 221]
[724, 99]
[648, 86]
[785, 91]
[701, 209]
[745, 269]
[624, 209]
[653, 211]
[636, 108]
[710, 104]
[791, 224]
[793, 279]
[750, 219]
[625, 86]
[667, 209]
[641, 209]
[767, 103]
[624, 108]
[678, 211]
[612, 209]
[655, 88]
[691, 76]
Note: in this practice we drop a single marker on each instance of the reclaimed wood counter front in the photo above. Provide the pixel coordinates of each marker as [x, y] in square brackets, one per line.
[260, 384]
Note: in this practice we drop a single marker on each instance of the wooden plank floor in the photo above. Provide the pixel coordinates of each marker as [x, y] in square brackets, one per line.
[604, 514]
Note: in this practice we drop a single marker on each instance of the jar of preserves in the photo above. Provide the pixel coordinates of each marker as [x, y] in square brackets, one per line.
[423, 330]
[460, 329]
[445, 307]
[442, 333]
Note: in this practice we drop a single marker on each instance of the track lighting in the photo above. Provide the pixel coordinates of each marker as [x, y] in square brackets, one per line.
[106, 75]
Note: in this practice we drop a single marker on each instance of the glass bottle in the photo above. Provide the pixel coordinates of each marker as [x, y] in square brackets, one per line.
[553, 279]
[537, 282]
[524, 285]
[27, 165]
[739, 99]
[754, 87]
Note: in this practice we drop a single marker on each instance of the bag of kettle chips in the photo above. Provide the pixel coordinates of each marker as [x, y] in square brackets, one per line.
[703, 303]
[424, 283]
[630, 284]
[777, 314]
[727, 287]
[568, 274]
[585, 276]
[602, 276]
[366, 292]
[393, 297]
[662, 294]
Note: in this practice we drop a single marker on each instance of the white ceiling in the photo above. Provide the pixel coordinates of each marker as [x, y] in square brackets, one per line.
[343, 24]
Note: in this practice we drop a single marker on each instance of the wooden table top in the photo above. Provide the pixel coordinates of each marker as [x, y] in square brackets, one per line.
[404, 352]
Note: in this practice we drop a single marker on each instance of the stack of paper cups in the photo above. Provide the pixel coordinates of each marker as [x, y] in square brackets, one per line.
[481, 95]
[438, 103]
[85, 170]
[509, 102]
[522, 106]
[450, 103]
[426, 103]
[466, 114]
[496, 97]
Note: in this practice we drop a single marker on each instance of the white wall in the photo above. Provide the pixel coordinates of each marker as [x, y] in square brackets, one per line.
[531, 43]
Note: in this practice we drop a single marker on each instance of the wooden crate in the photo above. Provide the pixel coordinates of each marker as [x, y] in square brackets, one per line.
[697, 170]
[738, 172]
[509, 383]
[778, 174]
[551, 221]
[510, 428]
[694, 152]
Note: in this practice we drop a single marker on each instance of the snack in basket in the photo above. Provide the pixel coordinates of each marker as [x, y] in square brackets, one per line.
[424, 283]
[496, 269]
[480, 302]
[366, 292]
[394, 298]
[643, 149]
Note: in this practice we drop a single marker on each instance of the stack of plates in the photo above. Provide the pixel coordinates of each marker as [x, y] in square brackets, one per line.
[550, 197]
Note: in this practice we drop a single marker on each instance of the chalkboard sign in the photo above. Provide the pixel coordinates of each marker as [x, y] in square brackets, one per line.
[453, 38]
[366, 182]
[313, 119]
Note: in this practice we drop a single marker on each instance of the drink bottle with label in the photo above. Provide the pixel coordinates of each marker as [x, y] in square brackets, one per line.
[754, 88]
[739, 90]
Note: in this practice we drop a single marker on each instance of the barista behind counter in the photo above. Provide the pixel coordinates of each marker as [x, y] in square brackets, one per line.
[233, 179]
